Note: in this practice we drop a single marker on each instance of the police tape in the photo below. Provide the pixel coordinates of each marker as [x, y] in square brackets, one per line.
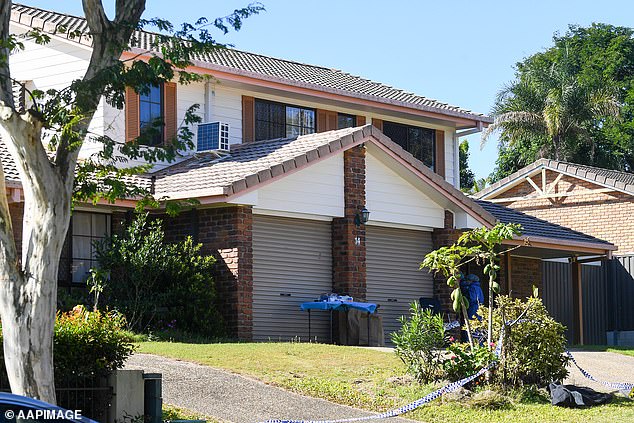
[626, 388]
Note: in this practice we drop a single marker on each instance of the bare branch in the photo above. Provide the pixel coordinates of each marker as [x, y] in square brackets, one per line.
[6, 90]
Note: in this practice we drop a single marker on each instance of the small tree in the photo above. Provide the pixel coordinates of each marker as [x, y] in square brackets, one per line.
[481, 245]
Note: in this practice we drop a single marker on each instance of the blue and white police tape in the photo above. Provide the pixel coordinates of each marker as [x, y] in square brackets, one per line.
[406, 408]
[621, 386]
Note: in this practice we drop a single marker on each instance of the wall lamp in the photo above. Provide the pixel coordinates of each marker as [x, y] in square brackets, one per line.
[362, 217]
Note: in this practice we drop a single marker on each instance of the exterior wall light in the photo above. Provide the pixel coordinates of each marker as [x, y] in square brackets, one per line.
[362, 217]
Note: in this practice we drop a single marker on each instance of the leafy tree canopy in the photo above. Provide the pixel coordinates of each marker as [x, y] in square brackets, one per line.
[467, 178]
[573, 101]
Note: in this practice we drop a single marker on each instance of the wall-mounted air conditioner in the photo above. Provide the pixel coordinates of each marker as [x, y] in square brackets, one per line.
[213, 136]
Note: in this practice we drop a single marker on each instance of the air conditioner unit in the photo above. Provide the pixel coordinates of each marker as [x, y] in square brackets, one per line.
[213, 136]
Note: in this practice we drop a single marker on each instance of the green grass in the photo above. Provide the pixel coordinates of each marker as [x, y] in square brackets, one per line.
[619, 350]
[171, 412]
[364, 378]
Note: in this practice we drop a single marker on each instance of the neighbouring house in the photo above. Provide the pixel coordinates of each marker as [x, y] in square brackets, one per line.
[286, 159]
[592, 200]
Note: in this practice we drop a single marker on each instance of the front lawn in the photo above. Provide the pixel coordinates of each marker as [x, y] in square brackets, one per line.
[614, 349]
[364, 378]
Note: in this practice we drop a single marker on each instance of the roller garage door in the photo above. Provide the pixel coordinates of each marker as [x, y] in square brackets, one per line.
[292, 263]
[393, 278]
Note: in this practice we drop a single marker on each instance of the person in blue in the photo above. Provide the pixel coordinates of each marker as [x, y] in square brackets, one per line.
[470, 287]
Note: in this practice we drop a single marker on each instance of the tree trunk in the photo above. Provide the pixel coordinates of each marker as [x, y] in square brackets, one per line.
[28, 297]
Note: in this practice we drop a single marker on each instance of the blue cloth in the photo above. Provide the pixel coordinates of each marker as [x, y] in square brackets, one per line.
[338, 305]
[470, 286]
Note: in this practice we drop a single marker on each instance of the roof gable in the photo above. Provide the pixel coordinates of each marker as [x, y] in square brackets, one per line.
[612, 179]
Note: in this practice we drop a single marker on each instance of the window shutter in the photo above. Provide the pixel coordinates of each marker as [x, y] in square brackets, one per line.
[360, 120]
[170, 114]
[331, 121]
[248, 119]
[378, 123]
[132, 126]
[321, 120]
[439, 159]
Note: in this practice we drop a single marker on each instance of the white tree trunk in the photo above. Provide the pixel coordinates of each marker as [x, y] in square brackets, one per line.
[28, 294]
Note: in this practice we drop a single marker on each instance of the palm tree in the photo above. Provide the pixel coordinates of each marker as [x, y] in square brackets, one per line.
[554, 107]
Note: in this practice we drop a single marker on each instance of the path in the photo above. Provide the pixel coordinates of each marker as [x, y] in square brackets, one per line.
[234, 398]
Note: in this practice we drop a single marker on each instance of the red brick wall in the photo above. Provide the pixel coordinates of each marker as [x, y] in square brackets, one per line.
[349, 267]
[444, 238]
[226, 233]
[603, 215]
[17, 212]
[525, 273]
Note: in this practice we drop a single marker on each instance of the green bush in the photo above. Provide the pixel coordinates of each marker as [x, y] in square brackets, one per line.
[462, 362]
[533, 350]
[419, 343]
[155, 284]
[88, 344]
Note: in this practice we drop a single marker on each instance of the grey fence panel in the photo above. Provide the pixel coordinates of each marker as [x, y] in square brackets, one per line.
[593, 282]
[621, 293]
[557, 293]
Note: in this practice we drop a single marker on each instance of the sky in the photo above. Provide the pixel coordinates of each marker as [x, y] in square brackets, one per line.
[457, 51]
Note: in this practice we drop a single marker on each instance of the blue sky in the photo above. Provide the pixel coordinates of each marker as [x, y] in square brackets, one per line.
[458, 51]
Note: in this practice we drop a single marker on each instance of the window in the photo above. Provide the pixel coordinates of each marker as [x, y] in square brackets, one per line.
[275, 120]
[346, 121]
[418, 141]
[151, 114]
[86, 228]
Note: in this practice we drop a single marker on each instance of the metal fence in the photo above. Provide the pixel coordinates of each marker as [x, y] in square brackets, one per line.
[557, 295]
[620, 293]
[92, 395]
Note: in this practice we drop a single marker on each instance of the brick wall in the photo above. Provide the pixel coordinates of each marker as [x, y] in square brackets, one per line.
[17, 213]
[349, 267]
[603, 215]
[442, 238]
[226, 233]
[525, 273]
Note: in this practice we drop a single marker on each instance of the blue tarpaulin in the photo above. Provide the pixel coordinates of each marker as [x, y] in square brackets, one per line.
[338, 306]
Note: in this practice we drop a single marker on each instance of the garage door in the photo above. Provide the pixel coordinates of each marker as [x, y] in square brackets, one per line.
[292, 263]
[393, 278]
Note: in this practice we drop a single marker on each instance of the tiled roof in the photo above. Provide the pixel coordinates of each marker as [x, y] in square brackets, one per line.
[8, 164]
[622, 181]
[257, 162]
[534, 227]
[262, 67]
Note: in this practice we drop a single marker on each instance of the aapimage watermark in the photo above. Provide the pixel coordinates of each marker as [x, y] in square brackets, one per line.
[30, 414]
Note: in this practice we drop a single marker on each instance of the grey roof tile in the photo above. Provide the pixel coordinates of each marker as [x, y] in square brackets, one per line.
[536, 227]
[236, 61]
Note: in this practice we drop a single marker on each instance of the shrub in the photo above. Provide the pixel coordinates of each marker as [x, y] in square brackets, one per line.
[462, 362]
[533, 350]
[88, 344]
[419, 343]
[157, 285]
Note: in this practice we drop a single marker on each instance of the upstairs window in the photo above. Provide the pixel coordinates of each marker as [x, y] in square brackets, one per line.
[276, 120]
[151, 114]
[421, 142]
[346, 121]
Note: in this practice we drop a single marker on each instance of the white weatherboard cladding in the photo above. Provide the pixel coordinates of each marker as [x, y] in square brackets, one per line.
[316, 190]
[225, 105]
[392, 199]
[394, 280]
[292, 264]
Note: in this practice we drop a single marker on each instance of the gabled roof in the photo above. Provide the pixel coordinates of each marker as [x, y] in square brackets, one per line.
[535, 227]
[252, 164]
[260, 67]
[620, 181]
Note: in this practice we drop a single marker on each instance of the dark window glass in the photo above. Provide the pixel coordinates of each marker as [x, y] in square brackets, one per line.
[418, 141]
[151, 114]
[86, 229]
[274, 120]
[346, 121]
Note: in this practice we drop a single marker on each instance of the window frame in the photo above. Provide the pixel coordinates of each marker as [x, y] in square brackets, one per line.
[285, 106]
[407, 128]
[159, 138]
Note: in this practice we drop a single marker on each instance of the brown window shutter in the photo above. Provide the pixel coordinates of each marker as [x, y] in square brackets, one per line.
[132, 125]
[170, 113]
[360, 120]
[439, 162]
[321, 120]
[248, 119]
[378, 123]
[332, 121]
